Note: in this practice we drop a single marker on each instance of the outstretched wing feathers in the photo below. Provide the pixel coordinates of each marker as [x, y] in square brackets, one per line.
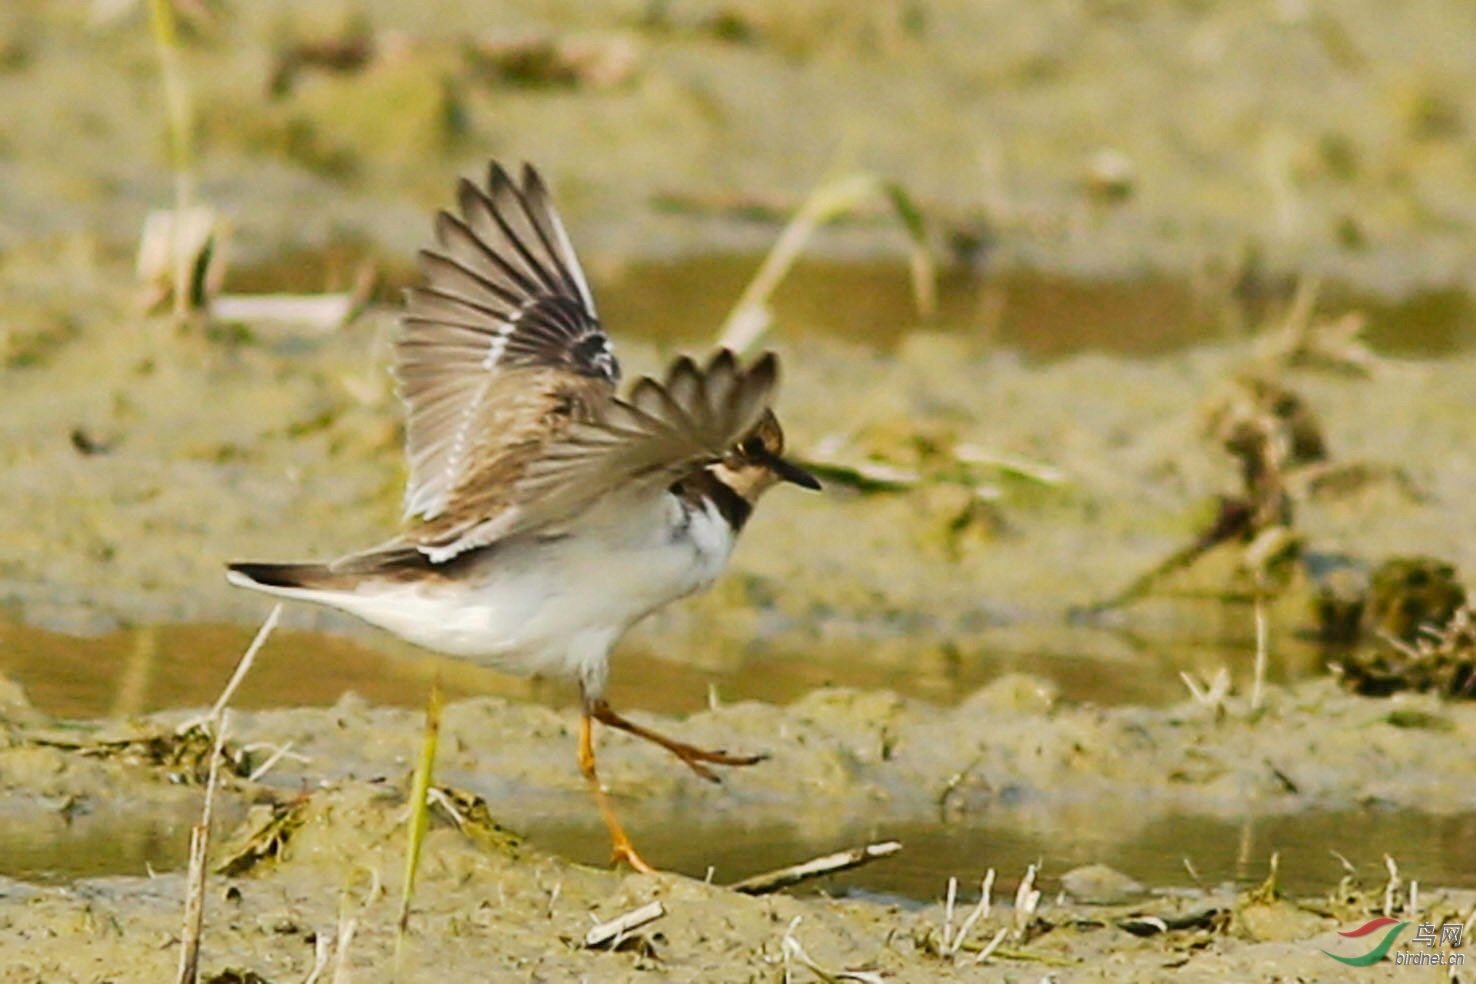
[641, 443]
[504, 293]
[524, 220]
[508, 379]
[545, 219]
[663, 429]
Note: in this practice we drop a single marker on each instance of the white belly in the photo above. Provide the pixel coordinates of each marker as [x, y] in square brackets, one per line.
[555, 607]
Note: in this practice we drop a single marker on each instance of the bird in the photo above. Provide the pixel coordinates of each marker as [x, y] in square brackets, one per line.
[545, 513]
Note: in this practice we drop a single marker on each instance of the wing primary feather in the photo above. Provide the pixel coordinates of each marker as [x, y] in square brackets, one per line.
[562, 248]
[502, 187]
[544, 218]
[443, 272]
[430, 303]
[453, 231]
[484, 212]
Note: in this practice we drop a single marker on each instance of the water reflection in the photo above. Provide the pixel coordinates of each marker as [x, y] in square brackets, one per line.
[1040, 315]
[1435, 850]
[138, 670]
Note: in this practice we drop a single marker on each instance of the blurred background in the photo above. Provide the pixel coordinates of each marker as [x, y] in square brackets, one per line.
[1233, 143]
[1014, 191]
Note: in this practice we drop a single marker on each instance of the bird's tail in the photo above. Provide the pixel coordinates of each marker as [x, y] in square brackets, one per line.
[289, 580]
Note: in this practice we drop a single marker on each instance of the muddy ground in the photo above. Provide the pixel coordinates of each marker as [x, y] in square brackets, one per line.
[1100, 180]
[315, 849]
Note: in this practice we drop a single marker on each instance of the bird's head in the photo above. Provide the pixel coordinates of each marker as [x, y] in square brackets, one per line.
[756, 463]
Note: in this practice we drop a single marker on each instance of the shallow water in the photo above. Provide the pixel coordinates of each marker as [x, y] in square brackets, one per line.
[1435, 850]
[1173, 851]
[98, 841]
[139, 670]
[1039, 315]
[144, 669]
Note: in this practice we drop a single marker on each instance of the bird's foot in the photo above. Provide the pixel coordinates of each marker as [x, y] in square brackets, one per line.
[623, 851]
[697, 759]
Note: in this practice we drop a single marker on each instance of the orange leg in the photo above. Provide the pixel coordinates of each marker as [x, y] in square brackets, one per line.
[621, 848]
[693, 756]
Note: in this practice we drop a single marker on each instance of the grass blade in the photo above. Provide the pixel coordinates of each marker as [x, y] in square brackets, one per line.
[419, 814]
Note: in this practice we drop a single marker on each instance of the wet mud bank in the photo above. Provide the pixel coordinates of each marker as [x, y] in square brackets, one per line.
[307, 858]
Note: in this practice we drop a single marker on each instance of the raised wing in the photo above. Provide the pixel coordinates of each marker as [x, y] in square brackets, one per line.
[503, 329]
[640, 444]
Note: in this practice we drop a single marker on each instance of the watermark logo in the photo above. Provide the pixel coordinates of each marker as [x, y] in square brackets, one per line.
[1426, 935]
[1377, 953]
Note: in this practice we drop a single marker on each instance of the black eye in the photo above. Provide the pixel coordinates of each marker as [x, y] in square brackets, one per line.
[753, 446]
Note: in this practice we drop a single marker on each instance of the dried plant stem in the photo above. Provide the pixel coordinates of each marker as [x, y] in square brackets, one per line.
[194, 914]
[247, 659]
[980, 911]
[772, 881]
[322, 953]
[992, 945]
[1393, 886]
[277, 755]
[1027, 900]
[948, 903]
[614, 930]
[794, 953]
[347, 926]
[177, 98]
[348, 920]
[749, 319]
[1262, 633]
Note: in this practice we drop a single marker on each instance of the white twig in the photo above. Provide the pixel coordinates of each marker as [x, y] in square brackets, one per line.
[322, 953]
[246, 660]
[319, 312]
[992, 945]
[795, 953]
[750, 317]
[1212, 694]
[615, 930]
[948, 901]
[978, 912]
[1038, 471]
[1261, 644]
[278, 755]
[772, 881]
[1391, 888]
[194, 913]
[437, 797]
[376, 886]
[1027, 899]
[347, 925]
